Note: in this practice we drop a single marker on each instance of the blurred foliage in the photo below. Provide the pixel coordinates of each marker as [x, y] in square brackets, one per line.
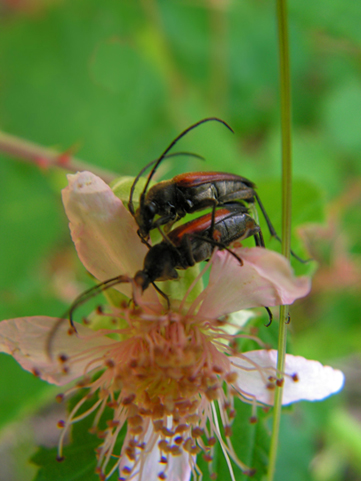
[115, 82]
[79, 461]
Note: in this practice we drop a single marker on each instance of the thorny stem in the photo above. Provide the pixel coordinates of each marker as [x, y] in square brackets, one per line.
[45, 158]
[285, 93]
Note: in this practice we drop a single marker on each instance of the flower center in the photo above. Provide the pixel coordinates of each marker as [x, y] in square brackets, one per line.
[167, 364]
[162, 380]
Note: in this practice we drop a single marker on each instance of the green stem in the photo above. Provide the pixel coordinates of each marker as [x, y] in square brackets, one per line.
[285, 90]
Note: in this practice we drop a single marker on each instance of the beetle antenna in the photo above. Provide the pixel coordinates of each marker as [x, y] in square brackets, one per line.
[182, 134]
[272, 230]
[81, 299]
[175, 154]
[163, 294]
[270, 316]
[92, 292]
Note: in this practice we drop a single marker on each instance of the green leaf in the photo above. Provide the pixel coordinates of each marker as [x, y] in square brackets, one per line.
[341, 115]
[14, 404]
[30, 217]
[296, 447]
[250, 442]
[344, 435]
[115, 65]
[79, 463]
[79, 456]
[308, 207]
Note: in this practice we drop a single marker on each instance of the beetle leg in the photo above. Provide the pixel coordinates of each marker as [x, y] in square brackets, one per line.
[165, 238]
[168, 226]
[267, 219]
[273, 230]
[143, 239]
[163, 294]
[162, 221]
[187, 247]
[217, 244]
[259, 239]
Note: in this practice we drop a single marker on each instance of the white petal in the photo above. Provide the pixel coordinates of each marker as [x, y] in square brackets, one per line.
[27, 340]
[178, 468]
[103, 231]
[315, 381]
[265, 279]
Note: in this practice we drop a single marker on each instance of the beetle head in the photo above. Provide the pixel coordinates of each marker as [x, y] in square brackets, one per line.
[159, 265]
[144, 216]
[142, 280]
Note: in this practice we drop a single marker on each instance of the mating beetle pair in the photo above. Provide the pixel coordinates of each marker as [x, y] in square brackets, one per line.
[186, 193]
[194, 241]
[184, 246]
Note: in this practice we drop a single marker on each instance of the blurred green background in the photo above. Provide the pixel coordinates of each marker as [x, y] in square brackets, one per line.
[114, 82]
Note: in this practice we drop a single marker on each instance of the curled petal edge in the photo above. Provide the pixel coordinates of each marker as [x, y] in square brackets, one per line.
[264, 279]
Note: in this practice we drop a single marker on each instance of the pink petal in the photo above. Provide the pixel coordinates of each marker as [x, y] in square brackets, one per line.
[315, 381]
[265, 279]
[26, 339]
[103, 231]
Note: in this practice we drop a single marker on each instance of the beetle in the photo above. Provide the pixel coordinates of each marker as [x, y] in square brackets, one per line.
[184, 246]
[165, 199]
[195, 241]
[171, 200]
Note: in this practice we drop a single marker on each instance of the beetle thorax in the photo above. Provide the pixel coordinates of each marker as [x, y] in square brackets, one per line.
[160, 262]
[164, 197]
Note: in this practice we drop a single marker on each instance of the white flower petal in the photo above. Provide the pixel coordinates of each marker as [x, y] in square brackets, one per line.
[103, 231]
[265, 279]
[315, 381]
[178, 468]
[26, 339]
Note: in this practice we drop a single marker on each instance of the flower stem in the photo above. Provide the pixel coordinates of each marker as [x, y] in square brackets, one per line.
[285, 94]
[45, 158]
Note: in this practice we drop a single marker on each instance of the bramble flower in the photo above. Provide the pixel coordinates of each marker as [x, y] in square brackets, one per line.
[169, 377]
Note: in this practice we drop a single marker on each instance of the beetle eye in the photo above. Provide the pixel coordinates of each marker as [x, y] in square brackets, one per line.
[151, 209]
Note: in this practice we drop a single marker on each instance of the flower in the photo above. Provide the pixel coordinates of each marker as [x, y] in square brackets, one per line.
[163, 372]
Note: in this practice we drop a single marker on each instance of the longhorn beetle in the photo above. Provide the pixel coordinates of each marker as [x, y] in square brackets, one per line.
[187, 193]
[194, 242]
[185, 246]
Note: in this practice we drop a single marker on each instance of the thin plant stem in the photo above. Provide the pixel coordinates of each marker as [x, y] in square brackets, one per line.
[285, 97]
[46, 158]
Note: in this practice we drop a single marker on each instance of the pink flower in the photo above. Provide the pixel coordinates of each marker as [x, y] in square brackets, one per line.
[161, 372]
